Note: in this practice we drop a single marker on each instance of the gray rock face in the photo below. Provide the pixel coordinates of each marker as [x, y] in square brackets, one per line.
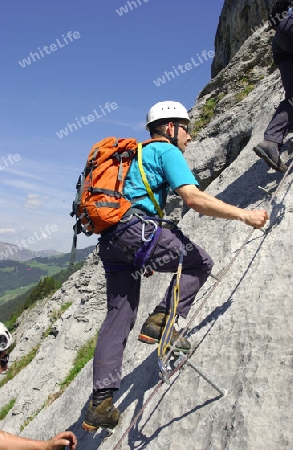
[244, 94]
[237, 22]
[240, 324]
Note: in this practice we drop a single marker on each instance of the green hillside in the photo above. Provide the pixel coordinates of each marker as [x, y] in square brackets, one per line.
[46, 286]
[17, 278]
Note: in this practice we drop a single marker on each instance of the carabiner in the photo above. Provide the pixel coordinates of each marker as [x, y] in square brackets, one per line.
[143, 238]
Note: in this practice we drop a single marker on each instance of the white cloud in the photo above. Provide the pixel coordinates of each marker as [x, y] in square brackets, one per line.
[35, 201]
[7, 231]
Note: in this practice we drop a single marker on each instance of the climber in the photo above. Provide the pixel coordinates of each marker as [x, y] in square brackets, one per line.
[281, 20]
[10, 441]
[165, 167]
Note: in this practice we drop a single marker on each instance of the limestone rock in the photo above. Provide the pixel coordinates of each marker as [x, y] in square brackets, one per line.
[237, 22]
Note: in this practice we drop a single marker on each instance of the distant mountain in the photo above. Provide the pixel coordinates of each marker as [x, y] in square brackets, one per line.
[14, 252]
[64, 258]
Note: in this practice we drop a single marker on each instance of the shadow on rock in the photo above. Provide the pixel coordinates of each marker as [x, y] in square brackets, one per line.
[248, 188]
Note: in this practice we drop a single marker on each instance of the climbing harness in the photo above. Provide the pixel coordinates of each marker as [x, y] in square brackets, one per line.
[145, 251]
[143, 254]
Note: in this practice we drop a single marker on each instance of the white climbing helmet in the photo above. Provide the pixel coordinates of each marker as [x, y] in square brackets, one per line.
[5, 338]
[166, 110]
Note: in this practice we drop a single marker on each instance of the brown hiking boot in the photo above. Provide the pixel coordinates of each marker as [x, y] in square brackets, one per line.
[103, 415]
[269, 151]
[152, 329]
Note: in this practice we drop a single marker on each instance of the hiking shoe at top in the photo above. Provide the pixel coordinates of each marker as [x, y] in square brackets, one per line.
[103, 415]
[270, 152]
[152, 330]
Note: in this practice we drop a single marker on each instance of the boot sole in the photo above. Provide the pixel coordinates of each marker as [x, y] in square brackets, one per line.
[262, 154]
[91, 428]
[149, 340]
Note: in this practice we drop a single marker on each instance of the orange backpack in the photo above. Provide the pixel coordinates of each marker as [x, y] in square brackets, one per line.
[99, 202]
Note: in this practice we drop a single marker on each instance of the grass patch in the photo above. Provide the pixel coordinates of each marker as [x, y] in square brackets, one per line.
[6, 408]
[64, 307]
[84, 355]
[55, 315]
[29, 419]
[207, 113]
[17, 366]
[248, 85]
[244, 93]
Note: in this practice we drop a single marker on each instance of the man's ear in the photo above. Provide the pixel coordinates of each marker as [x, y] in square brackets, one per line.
[170, 129]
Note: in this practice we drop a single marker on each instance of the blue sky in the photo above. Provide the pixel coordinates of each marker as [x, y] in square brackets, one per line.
[62, 61]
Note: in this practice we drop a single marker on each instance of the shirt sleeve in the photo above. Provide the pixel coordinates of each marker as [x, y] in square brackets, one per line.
[176, 169]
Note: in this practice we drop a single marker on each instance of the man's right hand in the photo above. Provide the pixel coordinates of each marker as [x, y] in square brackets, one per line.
[255, 218]
[206, 204]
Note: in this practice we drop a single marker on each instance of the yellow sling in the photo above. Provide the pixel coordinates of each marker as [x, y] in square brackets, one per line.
[145, 181]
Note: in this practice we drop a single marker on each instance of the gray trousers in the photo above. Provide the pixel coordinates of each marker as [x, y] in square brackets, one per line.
[123, 291]
[282, 120]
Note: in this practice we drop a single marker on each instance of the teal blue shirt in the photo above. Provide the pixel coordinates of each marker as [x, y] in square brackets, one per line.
[164, 164]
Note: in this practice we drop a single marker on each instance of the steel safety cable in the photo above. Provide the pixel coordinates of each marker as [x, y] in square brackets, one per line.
[226, 269]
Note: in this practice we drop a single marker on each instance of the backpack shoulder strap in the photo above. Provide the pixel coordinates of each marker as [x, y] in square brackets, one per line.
[145, 181]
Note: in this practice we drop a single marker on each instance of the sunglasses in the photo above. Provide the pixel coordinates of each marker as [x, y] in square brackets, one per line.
[4, 361]
[185, 127]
